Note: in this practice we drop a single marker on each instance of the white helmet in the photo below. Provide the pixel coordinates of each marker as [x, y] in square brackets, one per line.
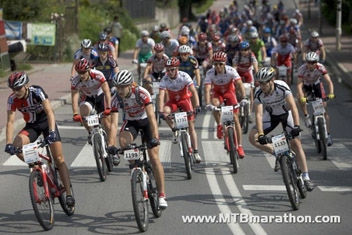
[184, 49]
[124, 77]
[312, 57]
[144, 33]
[314, 34]
[293, 21]
[165, 34]
[265, 74]
[184, 30]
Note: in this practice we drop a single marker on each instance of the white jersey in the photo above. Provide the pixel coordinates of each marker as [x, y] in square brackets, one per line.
[171, 47]
[178, 88]
[145, 48]
[311, 77]
[158, 65]
[275, 103]
[91, 87]
[224, 82]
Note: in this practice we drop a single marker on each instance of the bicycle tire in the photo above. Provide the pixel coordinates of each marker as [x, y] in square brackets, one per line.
[232, 150]
[108, 159]
[153, 194]
[246, 119]
[99, 157]
[323, 138]
[289, 181]
[62, 198]
[186, 156]
[42, 204]
[301, 188]
[140, 204]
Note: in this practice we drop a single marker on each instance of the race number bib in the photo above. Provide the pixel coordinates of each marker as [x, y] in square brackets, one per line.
[92, 120]
[131, 154]
[318, 107]
[30, 153]
[279, 144]
[181, 120]
[226, 113]
[282, 70]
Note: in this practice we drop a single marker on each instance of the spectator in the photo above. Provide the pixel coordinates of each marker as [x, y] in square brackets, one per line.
[117, 31]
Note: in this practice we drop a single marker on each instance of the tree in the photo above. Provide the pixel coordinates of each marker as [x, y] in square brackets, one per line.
[185, 8]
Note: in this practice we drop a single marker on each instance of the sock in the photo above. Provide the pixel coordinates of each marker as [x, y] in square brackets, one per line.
[195, 151]
[162, 195]
[305, 176]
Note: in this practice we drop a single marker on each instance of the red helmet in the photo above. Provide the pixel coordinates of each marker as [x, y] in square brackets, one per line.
[159, 47]
[202, 37]
[82, 65]
[220, 56]
[172, 62]
[17, 79]
[216, 38]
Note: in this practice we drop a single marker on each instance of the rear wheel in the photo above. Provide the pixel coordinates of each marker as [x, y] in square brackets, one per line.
[232, 150]
[290, 182]
[99, 157]
[140, 204]
[323, 138]
[42, 203]
[153, 194]
[186, 155]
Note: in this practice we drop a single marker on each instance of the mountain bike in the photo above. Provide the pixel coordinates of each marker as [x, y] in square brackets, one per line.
[99, 143]
[319, 129]
[245, 109]
[291, 173]
[184, 139]
[155, 98]
[44, 183]
[143, 185]
[230, 136]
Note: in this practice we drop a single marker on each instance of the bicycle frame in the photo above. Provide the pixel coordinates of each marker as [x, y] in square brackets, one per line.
[318, 113]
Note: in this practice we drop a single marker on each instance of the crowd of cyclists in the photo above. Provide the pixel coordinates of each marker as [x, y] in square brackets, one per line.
[225, 50]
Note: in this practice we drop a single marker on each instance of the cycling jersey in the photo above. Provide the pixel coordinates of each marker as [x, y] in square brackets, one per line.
[231, 51]
[256, 48]
[274, 103]
[269, 43]
[220, 46]
[202, 51]
[244, 66]
[189, 65]
[170, 47]
[133, 106]
[111, 46]
[107, 68]
[311, 77]
[158, 65]
[313, 46]
[145, 48]
[91, 87]
[283, 54]
[90, 57]
[178, 88]
[31, 107]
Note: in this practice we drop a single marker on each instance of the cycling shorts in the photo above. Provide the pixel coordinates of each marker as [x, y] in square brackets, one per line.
[95, 103]
[34, 130]
[270, 122]
[229, 99]
[185, 105]
[318, 89]
[135, 126]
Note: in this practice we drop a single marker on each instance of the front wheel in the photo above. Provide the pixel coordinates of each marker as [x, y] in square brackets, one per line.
[99, 157]
[153, 194]
[232, 150]
[290, 181]
[140, 204]
[323, 138]
[41, 202]
[186, 155]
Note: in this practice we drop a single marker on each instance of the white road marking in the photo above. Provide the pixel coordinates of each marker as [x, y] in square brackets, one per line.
[335, 188]
[264, 187]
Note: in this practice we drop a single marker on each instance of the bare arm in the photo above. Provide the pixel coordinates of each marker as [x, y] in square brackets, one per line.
[291, 102]
[75, 97]
[152, 120]
[9, 126]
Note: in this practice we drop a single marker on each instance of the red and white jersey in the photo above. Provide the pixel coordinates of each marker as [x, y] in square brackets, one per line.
[202, 52]
[178, 88]
[313, 46]
[133, 106]
[244, 63]
[158, 65]
[311, 77]
[92, 86]
[283, 53]
[224, 82]
[218, 47]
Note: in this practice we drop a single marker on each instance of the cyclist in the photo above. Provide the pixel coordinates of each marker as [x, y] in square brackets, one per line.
[269, 41]
[103, 38]
[245, 63]
[257, 47]
[144, 49]
[155, 69]
[105, 63]
[139, 115]
[95, 95]
[189, 64]
[182, 94]
[274, 104]
[315, 44]
[232, 47]
[33, 103]
[113, 40]
[86, 51]
[170, 45]
[223, 80]
[217, 44]
[309, 79]
[203, 51]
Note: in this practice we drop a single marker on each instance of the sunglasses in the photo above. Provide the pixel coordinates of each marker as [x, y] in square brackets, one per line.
[17, 88]
[171, 70]
[311, 62]
[283, 41]
[81, 72]
[245, 49]
[218, 64]
[263, 83]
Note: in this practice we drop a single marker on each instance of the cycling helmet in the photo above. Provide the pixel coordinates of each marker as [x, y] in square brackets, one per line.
[216, 38]
[103, 36]
[159, 47]
[249, 22]
[267, 30]
[86, 43]
[124, 77]
[144, 33]
[220, 56]
[155, 28]
[253, 34]
[244, 45]
[184, 49]
[312, 57]
[183, 40]
[172, 62]
[82, 65]
[103, 47]
[17, 79]
[163, 25]
[165, 34]
[202, 37]
[184, 30]
[314, 34]
[293, 21]
[108, 30]
[265, 74]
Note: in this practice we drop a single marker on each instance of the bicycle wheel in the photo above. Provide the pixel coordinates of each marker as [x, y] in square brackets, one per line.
[232, 150]
[108, 159]
[140, 204]
[62, 198]
[290, 181]
[301, 187]
[185, 153]
[99, 157]
[245, 119]
[200, 93]
[153, 194]
[323, 138]
[42, 203]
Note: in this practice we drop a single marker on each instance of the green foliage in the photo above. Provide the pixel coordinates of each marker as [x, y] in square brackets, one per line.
[202, 6]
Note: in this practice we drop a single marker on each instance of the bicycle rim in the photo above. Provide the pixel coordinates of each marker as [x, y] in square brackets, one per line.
[233, 151]
[289, 181]
[153, 194]
[322, 140]
[42, 203]
[186, 156]
[108, 159]
[246, 120]
[140, 204]
[62, 198]
[99, 157]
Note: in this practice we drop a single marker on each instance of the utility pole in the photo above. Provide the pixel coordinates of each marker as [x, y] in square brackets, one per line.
[338, 24]
[308, 9]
